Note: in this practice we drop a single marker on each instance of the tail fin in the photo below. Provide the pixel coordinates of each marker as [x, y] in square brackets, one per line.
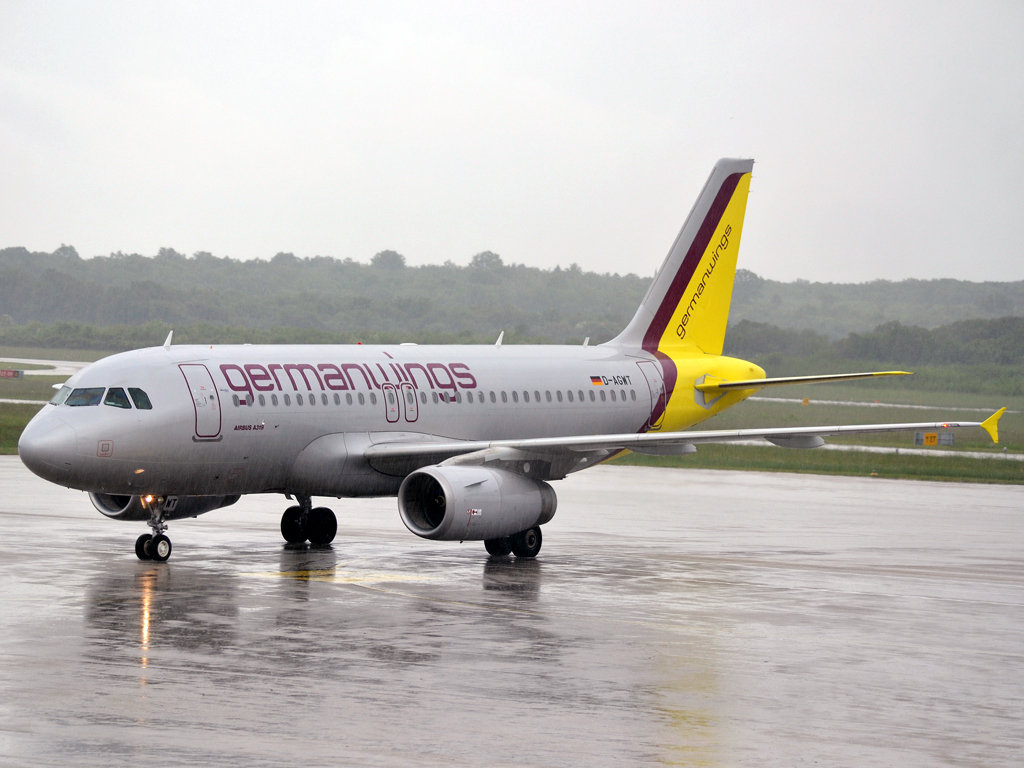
[687, 306]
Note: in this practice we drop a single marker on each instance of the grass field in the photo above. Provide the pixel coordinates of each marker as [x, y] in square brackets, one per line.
[24, 366]
[13, 419]
[856, 464]
[39, 353]
[29, 388]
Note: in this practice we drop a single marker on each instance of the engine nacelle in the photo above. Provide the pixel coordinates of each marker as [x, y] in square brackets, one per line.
[173, 507]
[473, 503]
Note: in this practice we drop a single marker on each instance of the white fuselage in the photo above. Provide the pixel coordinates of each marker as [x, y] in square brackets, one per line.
[237, 419]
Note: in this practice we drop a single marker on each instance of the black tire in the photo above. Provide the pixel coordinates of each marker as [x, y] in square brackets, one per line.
[527, 543]
[292, 526]
[321, 526]
[498, 547]
[159, 548]
[141, 548]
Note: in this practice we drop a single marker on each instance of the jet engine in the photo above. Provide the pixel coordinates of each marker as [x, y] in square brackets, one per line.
[472, 503]
[172, 507]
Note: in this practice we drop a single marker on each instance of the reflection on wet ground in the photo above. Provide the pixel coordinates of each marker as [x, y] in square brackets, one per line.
[674, 617]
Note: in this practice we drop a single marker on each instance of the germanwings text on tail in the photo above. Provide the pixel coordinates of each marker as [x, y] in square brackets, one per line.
[469, 438]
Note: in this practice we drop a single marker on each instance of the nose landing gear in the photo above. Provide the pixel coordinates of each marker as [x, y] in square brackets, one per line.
[304, 522]
[154, 546]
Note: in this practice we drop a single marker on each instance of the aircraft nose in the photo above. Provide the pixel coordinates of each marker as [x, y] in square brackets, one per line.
[47, 447]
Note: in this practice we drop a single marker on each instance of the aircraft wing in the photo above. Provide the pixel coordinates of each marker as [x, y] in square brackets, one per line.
[396, 457]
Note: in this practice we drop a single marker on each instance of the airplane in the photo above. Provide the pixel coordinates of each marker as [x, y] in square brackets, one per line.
[467, 437]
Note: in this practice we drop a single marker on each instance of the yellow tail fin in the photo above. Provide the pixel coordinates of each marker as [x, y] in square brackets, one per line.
[687, 306]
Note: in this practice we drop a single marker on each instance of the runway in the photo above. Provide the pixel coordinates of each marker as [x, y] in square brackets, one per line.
[674, 617]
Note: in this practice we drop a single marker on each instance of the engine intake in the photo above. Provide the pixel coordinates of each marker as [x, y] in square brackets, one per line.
[174, 507]
[473, 503]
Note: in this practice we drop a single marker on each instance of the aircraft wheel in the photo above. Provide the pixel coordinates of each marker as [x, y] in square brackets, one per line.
[292, 527]
[321, 526]
[142, 546]
[499, 547]
[159, 548]
[527, 543]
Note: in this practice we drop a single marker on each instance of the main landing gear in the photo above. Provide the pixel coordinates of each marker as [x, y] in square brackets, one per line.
[304, 522]
[525, 544]
[154, 546]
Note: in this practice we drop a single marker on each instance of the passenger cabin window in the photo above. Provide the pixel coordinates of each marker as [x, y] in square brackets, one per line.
[592, 398]
[526, 396]
[298, 399]
[373, 398]
[117, 398]
[263, 400]
[547, 395]
[515, 396]
[337, 399]
[348, 399]
[581, 395]
[469, 397]
[603, 396]
[536, 396]
[558, 394]
[504, 397]
[423, 397]
[613, 395]
[287, 400]
[273, 399]
[632, 394]
[61, 396]
[480, 396]
[85, 396]
[622, 394]
[492, 397]
[362, 399]
[568, 394]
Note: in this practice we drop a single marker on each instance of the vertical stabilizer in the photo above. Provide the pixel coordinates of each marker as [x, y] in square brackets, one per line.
[687, 306]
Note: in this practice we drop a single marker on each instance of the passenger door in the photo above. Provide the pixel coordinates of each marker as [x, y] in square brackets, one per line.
[204, 400]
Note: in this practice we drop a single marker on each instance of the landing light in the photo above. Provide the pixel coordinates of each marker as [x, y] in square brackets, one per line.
[148, 499]
[139, 471]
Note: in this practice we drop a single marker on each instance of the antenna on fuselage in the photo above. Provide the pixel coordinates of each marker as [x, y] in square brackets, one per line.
[586, 342]
[500, 337]
[167, 341]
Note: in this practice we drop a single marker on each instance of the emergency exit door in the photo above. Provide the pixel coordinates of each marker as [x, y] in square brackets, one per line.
[204, 399]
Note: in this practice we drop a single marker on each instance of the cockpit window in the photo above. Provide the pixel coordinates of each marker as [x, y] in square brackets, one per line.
[117, 398]
[87, 396]
[61, 396]
[140, 398]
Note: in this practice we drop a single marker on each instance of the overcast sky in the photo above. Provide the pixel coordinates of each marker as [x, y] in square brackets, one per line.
[889, 138]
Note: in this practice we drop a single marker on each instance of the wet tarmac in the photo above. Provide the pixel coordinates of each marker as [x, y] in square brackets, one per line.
[676, 617]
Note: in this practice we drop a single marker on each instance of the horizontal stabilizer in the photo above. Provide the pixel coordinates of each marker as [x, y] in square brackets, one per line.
[711, 384]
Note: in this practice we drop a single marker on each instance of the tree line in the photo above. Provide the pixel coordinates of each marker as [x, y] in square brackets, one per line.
[385, 298]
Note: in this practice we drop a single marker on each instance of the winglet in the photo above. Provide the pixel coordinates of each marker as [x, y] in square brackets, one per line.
[167, 341]
[991, 424]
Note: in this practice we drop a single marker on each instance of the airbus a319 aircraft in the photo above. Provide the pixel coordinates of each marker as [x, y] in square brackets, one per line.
[467, 437]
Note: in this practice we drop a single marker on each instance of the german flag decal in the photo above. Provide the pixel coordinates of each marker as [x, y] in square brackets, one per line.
[596, 381]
